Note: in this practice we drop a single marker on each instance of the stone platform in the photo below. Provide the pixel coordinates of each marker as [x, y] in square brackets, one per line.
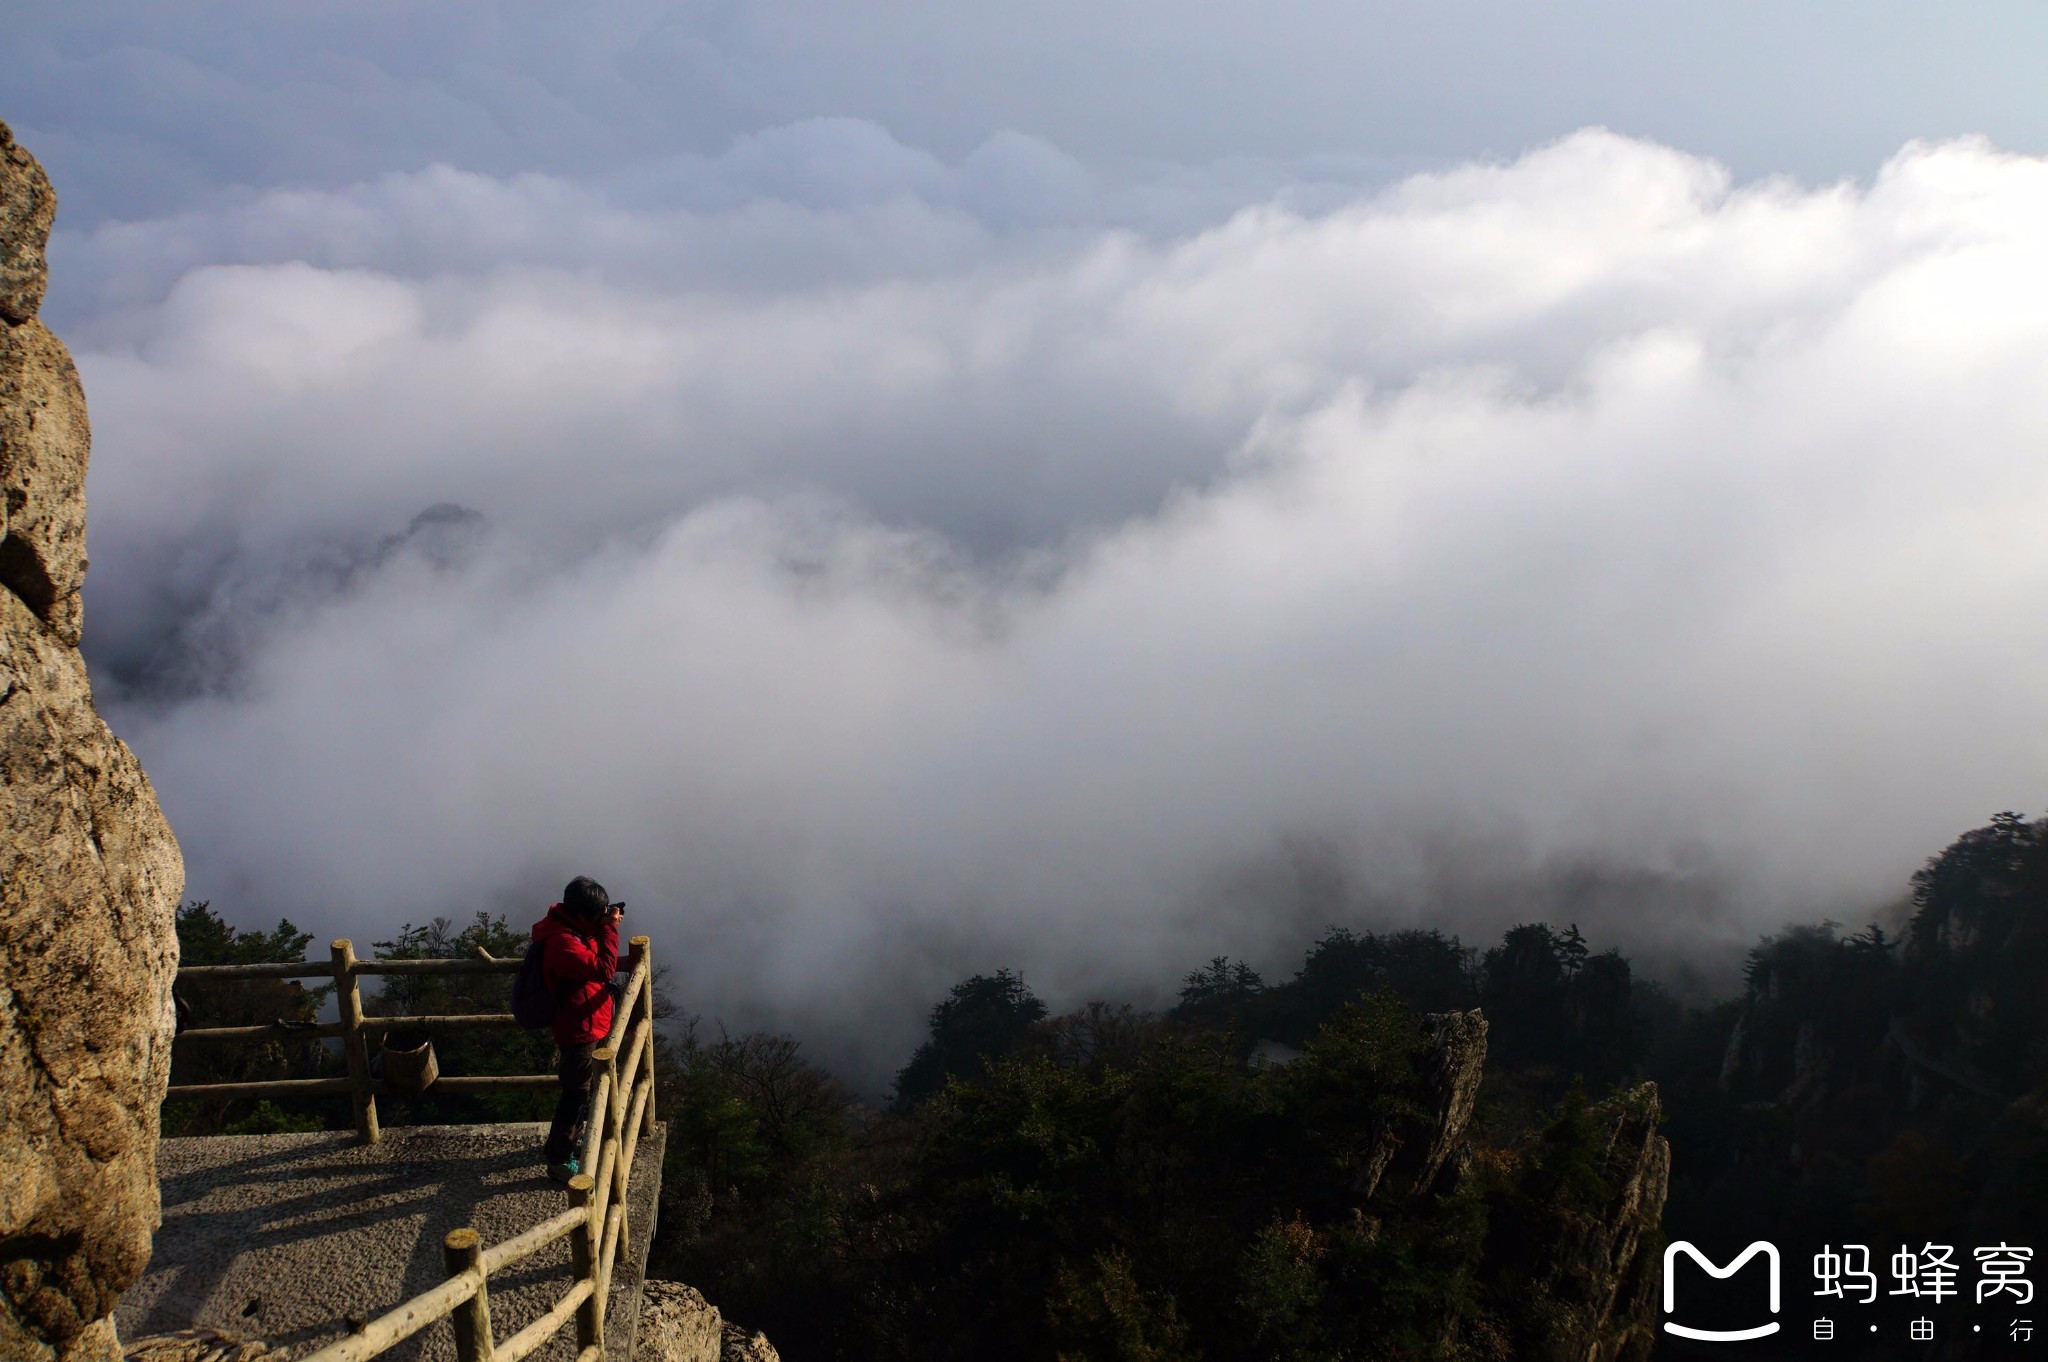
[284, 1237]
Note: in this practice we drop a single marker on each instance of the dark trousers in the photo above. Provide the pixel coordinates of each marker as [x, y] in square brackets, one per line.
[575, 1073]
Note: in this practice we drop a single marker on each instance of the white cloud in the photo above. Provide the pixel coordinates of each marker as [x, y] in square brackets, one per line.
[1589, 510]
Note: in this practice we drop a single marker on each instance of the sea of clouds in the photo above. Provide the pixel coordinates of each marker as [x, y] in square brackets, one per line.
[878, 566]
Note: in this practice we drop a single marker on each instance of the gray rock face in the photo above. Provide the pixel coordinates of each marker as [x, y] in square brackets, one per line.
[89, 874]
[677, 1325]
[1411, 1155]
[1451, 1072]
[1603, 1268]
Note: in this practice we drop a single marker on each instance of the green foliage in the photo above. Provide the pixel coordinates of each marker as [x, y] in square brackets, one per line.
[1840, 991]
[1571, 950]
[1976, 957]
[1099, 1313]
[414, 994]
[1224, 996]
[1112, 1184]
[1356, 1078]
[1523, 992]
[205, 938]
[713, 1131]
[745, 1105]
[1187, 1198]
[1987, 878]
[1094, 1036]
[1282, 1290]
[1569, 1169]
[762, 1186]
[1553, 1201]
[1108, 1184]
[268, 1119]
[1867, 1083]
[1557, 1009]
[461, 1051]
[1432, 971]
[983, 1018]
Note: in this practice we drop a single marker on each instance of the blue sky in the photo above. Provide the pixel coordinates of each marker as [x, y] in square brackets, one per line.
[1080, 488]
[142, 109]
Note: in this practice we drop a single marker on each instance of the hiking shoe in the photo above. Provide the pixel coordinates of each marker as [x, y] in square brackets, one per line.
[563, 1171]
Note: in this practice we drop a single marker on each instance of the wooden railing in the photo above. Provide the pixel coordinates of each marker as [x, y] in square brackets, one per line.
[355, 1028]
[621, 1111]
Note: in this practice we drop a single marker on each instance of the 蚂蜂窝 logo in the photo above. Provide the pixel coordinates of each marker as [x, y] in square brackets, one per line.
[1770, 1253]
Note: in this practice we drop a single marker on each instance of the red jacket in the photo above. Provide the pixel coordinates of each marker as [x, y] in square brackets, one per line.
[577, 963]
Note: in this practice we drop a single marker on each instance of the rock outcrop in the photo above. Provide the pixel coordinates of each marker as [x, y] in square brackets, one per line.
[28, 207]
[1600, 1272]
[741, 1346]
[1451, 1071]
[1411, 1155]
[90, 876]
[678, 1325]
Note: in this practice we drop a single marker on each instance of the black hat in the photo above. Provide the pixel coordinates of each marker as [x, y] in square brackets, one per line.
[584, 897]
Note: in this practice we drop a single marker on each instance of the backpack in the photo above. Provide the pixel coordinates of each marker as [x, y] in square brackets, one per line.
[532, 1004]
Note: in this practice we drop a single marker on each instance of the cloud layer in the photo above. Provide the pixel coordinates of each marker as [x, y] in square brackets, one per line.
[874, 585]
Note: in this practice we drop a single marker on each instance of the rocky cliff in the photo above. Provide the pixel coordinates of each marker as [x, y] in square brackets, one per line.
[678, 1325]
[89, 873]
[1572, 1274]
[1604, 1260]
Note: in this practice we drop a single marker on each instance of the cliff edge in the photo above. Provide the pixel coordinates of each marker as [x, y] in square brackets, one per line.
[90, 875]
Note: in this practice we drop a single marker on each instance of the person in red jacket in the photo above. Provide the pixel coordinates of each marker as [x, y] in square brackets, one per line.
[579, 954]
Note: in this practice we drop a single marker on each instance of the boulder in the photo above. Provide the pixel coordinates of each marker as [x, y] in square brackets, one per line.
[677, 1325]
[27, 208]
[741, 1346]
[1451, 1069]
[43, 442]
[90, 876]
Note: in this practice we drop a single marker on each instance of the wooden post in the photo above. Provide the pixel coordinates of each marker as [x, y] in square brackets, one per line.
[354, 1044]
[596, 1122]
[615, 1121]
[462, 1251]
[614, 1235]
[636, 951]
[646, 952]
[583, 1257]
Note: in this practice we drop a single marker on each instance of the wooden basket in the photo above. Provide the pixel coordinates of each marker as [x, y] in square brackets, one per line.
[409, 1063]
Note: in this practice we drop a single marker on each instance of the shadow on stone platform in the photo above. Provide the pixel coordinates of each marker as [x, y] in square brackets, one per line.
[284, 1237]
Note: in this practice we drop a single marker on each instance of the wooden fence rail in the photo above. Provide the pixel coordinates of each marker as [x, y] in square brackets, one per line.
[355, 1029]
[621, 1110]
[298, 1030]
